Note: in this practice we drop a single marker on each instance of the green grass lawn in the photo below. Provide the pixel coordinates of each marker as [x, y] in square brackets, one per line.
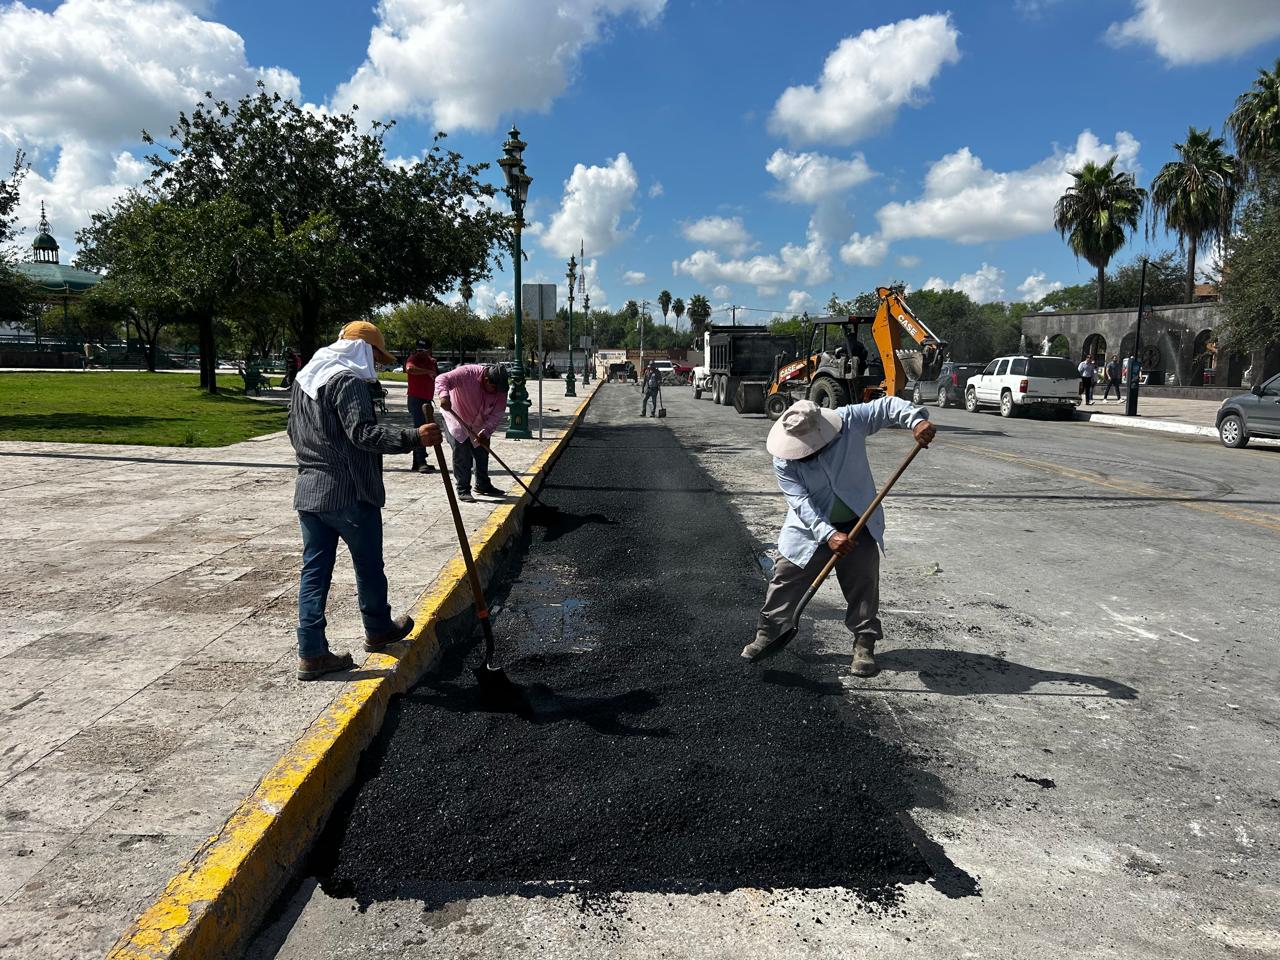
[397, 377]
[153, 409]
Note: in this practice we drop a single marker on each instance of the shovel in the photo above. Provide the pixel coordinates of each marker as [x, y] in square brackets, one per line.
[789, 634]
[497, 691]
[662, 407]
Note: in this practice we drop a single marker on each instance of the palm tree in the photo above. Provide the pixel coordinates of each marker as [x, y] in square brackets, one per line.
[664, 301]
[677, 307]
[1194, 195]
[1255, 121]
[699, 313]
[1096, 211]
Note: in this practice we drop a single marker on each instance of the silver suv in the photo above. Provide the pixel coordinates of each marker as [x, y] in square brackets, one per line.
[1252, 414]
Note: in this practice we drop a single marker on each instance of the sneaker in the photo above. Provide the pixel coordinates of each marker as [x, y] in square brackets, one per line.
[466, 497]
[864, 661]
[489, 490]
[399, 630]
[313, 668]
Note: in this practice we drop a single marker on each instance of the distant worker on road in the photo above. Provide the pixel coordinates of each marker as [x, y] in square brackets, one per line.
[1112, 370]
[339, 494]
[820, 460]
[649, 390]
[1087, 372]
[474, 399]
[421, 369]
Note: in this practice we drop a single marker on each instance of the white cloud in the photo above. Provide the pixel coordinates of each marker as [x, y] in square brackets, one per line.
[1192, 31]
[655, 190]
[595, 199]
[866, 79]
[719, 233]
[466, 64]
[1037, 286]
[793, 262]
[813, 177]
[633, 278]
[983, 286]
[798, 301]
[486, 299]
[965, 202]
[864, 251]
[908, 260]
[721, 291]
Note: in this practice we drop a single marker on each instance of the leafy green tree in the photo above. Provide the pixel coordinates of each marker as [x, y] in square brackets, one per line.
[1195, 195]
[664, 303]
[1251, 269]
[677, 308]
[15, 292]
[1096, 212]
[1255, 122]
[699, 314]
[1166, 282]
[450, 328]
[347, 231]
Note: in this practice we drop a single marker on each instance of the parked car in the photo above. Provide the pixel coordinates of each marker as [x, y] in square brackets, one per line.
[1252, 414]
[953, 377]
[1015, 384]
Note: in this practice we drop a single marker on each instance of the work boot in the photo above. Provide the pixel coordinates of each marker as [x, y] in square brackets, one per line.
[489, 490]
[313, 668]
[466, 497]
[864, 661]
[400, 629]
[759, 645]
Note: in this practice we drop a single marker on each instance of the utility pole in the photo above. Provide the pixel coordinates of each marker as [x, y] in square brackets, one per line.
[644, 310]
[1131, 399]
[733, 314]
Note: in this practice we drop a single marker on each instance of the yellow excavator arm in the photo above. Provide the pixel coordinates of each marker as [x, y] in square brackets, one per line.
[893, 316]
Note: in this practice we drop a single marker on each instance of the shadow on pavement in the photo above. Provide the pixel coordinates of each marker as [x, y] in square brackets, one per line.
[957, 673]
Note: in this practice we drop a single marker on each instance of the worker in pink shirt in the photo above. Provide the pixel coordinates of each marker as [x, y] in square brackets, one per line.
[473, 398]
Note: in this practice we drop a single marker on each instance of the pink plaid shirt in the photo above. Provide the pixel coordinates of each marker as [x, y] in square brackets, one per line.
[470, 402]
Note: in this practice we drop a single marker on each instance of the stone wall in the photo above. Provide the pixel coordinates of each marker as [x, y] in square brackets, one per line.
[1174, 340]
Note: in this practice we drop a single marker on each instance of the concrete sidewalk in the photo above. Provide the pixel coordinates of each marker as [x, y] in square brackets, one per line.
[147, 609]
[1163, 414]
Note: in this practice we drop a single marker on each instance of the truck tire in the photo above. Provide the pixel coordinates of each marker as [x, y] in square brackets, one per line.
[717, 390]
[971, 400]
[828, 393]
[749, 398]
[776, 405]
[1008, 408]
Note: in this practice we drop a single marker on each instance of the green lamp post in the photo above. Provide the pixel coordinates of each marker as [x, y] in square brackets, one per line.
[517, 190]
[586, 354]
[570, 383]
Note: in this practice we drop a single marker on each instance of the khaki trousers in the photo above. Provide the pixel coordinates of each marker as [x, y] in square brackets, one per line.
[859, 578]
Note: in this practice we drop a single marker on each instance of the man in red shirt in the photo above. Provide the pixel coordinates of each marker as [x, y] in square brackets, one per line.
[421, 368]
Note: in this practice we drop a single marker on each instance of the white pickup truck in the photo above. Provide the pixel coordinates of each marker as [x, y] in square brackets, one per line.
[1015, 384]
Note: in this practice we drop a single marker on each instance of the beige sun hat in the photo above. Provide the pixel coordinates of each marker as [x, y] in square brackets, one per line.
[804, 428]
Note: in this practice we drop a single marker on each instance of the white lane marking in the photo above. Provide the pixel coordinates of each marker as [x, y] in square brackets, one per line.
[1129, 622]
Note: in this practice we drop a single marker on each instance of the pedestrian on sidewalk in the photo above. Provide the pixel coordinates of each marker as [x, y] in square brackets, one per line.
[339, 493]
[1087, 371]
[474, 398]
[820, 460]
[421, 369]
[1113, 378]
[649, 391]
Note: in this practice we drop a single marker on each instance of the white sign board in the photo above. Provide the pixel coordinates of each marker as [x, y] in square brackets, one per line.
[584, 342]
[538, 301]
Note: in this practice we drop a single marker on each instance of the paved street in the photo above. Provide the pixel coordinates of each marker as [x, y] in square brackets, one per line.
[1079, 687]
[147, 619]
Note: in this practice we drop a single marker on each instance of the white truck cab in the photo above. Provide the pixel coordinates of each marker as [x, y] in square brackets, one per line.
[1014, 384]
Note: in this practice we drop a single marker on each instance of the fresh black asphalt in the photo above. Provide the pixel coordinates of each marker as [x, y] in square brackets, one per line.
[653, 757]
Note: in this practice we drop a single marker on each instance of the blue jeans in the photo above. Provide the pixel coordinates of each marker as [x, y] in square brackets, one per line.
[360, 528]
[420, 411]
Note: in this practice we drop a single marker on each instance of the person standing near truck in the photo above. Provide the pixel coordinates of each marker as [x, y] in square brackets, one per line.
[820, 460]
[421, 369]
[652, 381]
[1087, 371]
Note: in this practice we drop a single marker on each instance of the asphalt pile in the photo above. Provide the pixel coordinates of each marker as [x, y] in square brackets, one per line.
[651, 757]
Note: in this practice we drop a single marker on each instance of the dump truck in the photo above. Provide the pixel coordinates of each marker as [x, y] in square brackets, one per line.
[739, 362]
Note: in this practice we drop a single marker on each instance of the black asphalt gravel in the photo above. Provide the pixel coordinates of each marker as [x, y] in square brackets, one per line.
[652, 758]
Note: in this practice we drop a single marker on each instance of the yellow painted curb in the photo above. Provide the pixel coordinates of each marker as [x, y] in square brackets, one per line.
[216, 901]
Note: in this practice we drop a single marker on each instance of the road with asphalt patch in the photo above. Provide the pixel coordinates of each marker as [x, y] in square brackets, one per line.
[1074, 732]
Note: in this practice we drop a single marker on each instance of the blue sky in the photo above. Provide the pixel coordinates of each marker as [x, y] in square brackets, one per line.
[764, 154]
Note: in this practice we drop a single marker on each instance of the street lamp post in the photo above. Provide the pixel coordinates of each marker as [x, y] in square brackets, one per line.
[1131, 397]
[569, 380]
[586, 353]
[517, 190]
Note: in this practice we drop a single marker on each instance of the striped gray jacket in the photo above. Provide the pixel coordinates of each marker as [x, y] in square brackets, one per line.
[339, 445]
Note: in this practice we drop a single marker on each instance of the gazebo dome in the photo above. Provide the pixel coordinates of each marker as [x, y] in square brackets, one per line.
[44, 247]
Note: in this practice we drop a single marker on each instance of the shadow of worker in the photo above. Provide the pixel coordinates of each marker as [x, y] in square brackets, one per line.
[958, 673]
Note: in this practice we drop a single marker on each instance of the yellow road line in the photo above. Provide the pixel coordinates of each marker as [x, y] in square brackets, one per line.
[1257, 518]
[214, 903]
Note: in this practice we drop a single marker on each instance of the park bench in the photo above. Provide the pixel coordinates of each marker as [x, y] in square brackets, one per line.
[254, 381]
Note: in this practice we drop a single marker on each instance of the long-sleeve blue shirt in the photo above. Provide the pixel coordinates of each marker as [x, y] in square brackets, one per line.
[842, 470]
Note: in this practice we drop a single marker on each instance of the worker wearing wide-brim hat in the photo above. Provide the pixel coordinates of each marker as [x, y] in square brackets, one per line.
[820, 460]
